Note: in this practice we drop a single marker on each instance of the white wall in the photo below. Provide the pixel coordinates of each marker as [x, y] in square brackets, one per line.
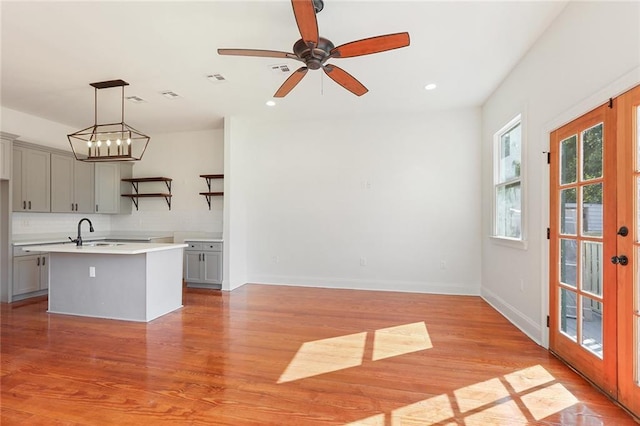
[182, 157]
[400, 194]
[590, 53]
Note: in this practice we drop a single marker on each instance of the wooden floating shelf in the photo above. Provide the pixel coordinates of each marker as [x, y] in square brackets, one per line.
[210, 194]
[136, 195]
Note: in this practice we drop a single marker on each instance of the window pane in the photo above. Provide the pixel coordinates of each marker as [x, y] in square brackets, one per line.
[592, 210]
[508, 210]
[568, 160]
[592, 325]
[568, 311]
[568, 222]
[510, 154]
[568, 258]
[592, 152]
[592, 267]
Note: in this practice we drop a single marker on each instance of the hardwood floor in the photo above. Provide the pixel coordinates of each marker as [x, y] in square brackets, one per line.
[290, 356]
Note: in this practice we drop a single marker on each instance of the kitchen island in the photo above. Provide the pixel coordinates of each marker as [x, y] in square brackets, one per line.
[125, 281]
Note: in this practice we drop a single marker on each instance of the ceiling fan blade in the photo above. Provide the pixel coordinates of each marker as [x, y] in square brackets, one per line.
[345, 79]
[371, 45]
[291, 82]
[257, 52]
[305, 14]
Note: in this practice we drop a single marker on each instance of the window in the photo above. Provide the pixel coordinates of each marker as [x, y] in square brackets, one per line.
[508, 181]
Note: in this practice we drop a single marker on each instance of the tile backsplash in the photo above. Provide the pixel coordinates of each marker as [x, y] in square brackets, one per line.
[48, 223]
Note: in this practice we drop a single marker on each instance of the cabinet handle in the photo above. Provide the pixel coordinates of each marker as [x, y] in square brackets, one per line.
[71, 206]
[29, 205]
[38, 262]
[24, 205]
[43, 260]
[76, 206]
[96, 208]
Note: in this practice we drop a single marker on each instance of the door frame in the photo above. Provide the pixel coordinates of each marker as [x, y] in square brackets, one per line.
[617, 87]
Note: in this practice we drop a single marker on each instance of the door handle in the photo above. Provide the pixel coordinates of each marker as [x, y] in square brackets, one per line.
[622, 260]
[623, 231]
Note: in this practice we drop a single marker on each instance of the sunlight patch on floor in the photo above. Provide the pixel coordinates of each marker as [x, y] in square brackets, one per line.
[325, 356]
[506, 413]
[547, 401]
[528, 378]
[337, 353]
[479, 394]
[400, 340]
[424, 413]
[512, 399]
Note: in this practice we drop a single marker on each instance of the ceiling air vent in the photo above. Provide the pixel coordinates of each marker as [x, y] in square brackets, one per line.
[169, 94]
[280, 69]
[135, 99]
[216, 78]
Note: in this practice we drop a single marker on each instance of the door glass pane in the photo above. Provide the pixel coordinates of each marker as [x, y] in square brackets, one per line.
[592, 152]
[638, 207]
[592, 210]
[568, 223]
[568, 311]
[638, 350]
[508, 210]
[568, 162]
[592, 325]
[592, 267]
[568, 258]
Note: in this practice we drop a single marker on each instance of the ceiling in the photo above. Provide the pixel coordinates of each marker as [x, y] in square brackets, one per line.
[52, 50]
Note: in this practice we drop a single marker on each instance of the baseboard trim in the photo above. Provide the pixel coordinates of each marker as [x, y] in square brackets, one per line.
[517, 318]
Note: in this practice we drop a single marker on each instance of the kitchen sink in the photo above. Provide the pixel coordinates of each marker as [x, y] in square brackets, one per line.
[102, 244]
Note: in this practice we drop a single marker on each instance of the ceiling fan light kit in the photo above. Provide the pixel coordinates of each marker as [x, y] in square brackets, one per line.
[314, 51]
[108, 142]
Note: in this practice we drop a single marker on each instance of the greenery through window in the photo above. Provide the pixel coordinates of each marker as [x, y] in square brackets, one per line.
[508, 181]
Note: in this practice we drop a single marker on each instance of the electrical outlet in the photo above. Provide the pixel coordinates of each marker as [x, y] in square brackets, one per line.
[443, 264]
[363, 261]
[92, 271]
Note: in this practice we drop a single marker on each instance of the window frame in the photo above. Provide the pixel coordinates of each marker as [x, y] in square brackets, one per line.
[514, 242]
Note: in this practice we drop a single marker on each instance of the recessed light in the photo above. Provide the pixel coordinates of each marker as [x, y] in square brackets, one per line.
[430, 86]
[271, 103]
[169, 94]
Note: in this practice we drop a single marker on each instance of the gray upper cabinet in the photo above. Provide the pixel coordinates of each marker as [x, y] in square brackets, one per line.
[5, 157]
[72, 185]
[109, 186]
[31, 180]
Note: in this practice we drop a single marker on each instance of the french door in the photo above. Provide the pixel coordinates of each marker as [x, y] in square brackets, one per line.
[594, 250]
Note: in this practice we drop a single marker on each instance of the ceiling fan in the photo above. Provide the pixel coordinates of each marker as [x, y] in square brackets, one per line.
[314, 51]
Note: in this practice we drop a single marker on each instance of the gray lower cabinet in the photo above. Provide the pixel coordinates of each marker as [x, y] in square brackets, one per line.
[72, 185]
[203, 264]
[31, 180]
[30, 273]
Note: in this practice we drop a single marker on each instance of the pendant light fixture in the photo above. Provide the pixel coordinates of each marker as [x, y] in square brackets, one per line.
[108, 142]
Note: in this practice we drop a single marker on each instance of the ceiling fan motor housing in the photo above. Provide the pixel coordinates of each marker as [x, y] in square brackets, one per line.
[316, 57]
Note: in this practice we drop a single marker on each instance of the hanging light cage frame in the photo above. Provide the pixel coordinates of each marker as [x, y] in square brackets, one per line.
[108, 142]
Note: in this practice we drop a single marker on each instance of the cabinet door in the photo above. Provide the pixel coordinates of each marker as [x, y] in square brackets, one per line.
[83, 187]
[212, 273]
[36, 181]
[44, 271]
[62, 181]
[26, 274]
[107, 187]
[5, 159]
[19, 202]
[192, 266]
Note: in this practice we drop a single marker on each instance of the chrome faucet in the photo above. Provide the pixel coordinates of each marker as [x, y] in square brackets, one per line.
[78, 240]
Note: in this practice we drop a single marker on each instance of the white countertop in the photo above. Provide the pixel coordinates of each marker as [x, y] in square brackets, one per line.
[105, 248]
[29, 239]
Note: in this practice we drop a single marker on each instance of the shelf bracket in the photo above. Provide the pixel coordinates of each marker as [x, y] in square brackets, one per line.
[135, 200]
[168, 199]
